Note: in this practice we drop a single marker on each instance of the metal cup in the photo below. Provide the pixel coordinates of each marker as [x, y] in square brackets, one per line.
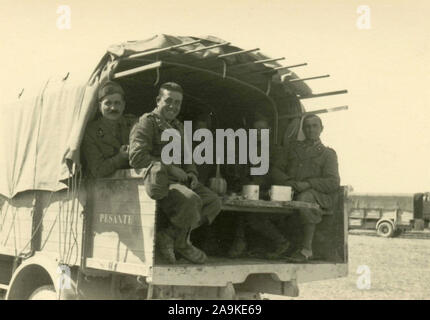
[281, 193]
[251, 192]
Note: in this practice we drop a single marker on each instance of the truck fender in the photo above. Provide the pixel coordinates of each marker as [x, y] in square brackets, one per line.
[393, 223]
[39, 271]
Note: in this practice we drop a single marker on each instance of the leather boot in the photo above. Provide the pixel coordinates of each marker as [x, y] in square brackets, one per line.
[184, 248]
[165, 245]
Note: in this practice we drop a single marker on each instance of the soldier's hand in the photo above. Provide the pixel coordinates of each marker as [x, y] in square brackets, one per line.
[123, 151]
[178, 173]
[193, 179]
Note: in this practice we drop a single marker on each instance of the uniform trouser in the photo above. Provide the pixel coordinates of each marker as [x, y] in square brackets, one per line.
[266, 226]
[188, 209]
[309, 216]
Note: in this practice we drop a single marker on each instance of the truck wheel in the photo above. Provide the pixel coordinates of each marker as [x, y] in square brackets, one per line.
[385, 229]
[44, 293]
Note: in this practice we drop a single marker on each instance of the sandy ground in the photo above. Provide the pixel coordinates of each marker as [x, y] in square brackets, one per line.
[399, 269]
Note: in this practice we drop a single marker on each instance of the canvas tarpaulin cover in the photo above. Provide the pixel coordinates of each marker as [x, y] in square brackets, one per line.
[38, 132]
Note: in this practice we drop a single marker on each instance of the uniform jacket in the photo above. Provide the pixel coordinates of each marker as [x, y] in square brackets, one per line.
[146, 144]
[311, 162]
[101, 144]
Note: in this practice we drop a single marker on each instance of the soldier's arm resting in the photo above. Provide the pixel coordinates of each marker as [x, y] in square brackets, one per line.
[329, 181]
[279, 169]
[141, 136]
[97, 165]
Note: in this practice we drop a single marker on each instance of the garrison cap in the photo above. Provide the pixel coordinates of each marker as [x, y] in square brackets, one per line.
[109, 87]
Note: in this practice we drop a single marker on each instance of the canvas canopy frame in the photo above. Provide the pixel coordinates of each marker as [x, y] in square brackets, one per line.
[208, 68]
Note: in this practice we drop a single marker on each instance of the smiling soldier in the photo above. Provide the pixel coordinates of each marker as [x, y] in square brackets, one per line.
[185, 202]
[105, 144]
[312, 170]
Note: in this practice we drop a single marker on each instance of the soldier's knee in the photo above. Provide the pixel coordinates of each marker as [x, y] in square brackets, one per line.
[216, 204]
[156, 181]
[306, 196]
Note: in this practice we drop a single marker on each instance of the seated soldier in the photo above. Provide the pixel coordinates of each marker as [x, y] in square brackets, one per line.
[311, 169]
[185, 202]
[105, 143]
[264, 225]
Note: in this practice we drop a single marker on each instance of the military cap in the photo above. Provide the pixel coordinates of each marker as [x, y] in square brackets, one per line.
[109, 87]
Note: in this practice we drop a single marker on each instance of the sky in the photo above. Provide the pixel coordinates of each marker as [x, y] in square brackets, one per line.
[382, 141]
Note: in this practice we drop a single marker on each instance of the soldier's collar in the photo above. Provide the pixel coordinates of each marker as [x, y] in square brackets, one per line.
[111, 124]
[157, 115]
[312, 142]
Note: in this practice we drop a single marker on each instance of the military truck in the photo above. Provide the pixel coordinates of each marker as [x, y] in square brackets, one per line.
[389, 214]
[63, 236]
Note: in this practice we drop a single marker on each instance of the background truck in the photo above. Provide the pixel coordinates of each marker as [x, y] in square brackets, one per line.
[66, 237]
[389, 214]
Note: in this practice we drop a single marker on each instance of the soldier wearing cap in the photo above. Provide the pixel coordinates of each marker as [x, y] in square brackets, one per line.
[105, 144]
[184, 201]
[311, 169]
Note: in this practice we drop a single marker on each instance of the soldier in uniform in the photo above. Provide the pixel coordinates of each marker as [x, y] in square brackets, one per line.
[311, 169]
[105, 143]
[266, 226]
[185, 202]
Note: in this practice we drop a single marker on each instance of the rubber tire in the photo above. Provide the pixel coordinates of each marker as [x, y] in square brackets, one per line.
[385, 230]
[44, 293]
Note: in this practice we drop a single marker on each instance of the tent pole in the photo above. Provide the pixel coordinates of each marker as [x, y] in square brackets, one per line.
[327, 110]
[332, 93]
[310, 78]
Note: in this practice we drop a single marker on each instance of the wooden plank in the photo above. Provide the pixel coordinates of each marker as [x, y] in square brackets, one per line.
[237, 270]
[267, 206]
[7, 251]
[136, 240]
[121, 190]
[122, 254]
[357, 213]
[123, 220]
[145, 220]
[125, 207]
[115, 266]
[62, 225]
[16, 224]
[69, 254]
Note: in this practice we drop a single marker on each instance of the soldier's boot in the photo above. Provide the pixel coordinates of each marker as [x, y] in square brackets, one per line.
[238, 248]
[165, 243]
[209, 243]
[300, 256]
[184, 248]
[280, 250]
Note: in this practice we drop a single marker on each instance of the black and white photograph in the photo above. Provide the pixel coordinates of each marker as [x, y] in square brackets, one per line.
[214, 150]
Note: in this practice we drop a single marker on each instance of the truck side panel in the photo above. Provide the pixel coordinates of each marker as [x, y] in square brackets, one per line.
[123, 222]
[16, 223]
[62, 224]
